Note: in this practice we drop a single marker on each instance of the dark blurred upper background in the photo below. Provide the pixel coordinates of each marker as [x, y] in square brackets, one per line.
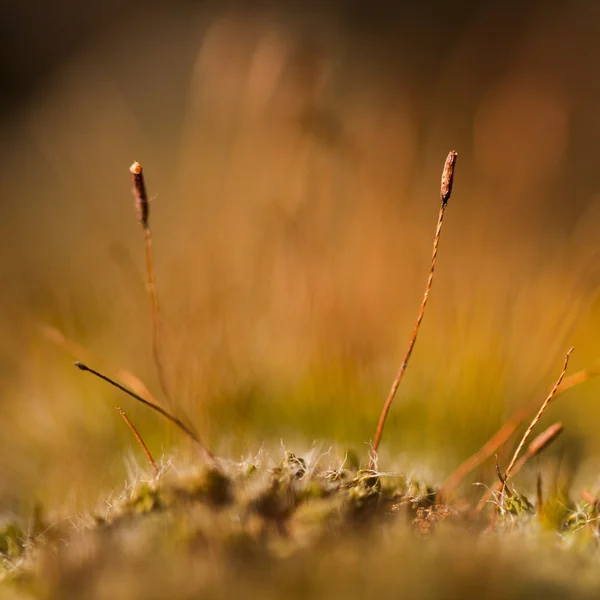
[450, 57]
[37, 37]
[293, 152]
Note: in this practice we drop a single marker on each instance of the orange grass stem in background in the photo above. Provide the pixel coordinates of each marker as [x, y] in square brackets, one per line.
[138, 188]
[538, 445]
[207, 453]
[139, 439]
[587, 497]
[504, 433]
[445, 193]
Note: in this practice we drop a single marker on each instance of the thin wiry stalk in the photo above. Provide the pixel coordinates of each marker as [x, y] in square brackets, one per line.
[540, 443]
[139, 439]
[537, 417]
[143, 211]
[207, 453]
[445, 193]
[504, 433]
[501, 480]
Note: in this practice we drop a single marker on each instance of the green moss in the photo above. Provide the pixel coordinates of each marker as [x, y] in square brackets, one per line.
[145, 499]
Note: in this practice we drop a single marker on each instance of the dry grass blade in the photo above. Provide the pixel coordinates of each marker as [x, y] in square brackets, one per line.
[537, 416]
[77, 351]
[207, 453]
[143, 210]
[445, 192]
[504, 433]
[538, 445]
[542, 441]
[139, 439]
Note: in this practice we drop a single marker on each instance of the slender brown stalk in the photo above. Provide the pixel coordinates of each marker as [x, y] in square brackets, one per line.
[506, 431]
[207, 453]
[139, 439]
[537, 417]
[501, 478]
[445, 193]
[538, 445]
[143, 213]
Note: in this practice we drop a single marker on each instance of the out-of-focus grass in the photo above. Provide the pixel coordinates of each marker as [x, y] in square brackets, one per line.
[296, 193]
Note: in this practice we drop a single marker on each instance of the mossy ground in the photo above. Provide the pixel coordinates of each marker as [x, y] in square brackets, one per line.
[299, 529]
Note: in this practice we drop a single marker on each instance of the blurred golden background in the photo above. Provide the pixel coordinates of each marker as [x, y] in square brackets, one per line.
[294, 158]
